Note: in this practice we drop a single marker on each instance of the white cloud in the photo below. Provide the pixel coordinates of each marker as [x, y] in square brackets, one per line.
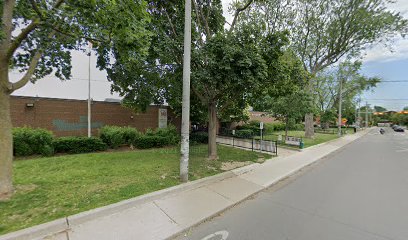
[399, 48]
[398, 51]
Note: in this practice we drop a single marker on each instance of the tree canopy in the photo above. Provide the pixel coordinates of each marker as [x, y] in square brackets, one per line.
[37, 37]
[327, 84]
[292, 106]
[323, 32]
[380, 109]
[228, 66]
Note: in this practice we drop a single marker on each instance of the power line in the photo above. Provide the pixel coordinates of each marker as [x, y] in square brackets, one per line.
[394, 81]
[387, 99]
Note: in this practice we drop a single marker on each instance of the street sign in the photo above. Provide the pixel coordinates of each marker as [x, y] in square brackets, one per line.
[261, 125]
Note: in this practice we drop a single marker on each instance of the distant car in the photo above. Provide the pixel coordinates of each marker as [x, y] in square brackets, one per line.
[395, 126]
[399, 129]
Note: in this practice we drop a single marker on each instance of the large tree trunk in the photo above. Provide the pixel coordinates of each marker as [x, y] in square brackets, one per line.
[309, 125]
[6, 146]
[212, 131]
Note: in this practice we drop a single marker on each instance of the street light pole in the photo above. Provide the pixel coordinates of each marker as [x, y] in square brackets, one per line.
[359, 109]
[89, 90]
[340, 100]
[185, 116]
[366, 115]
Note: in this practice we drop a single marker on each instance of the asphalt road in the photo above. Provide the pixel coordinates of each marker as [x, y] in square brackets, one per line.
[359, 192]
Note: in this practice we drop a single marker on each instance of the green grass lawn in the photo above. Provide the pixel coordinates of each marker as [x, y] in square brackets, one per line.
[54, 187]
[319, 137]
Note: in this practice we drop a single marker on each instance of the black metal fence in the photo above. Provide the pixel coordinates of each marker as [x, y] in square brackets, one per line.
[329, 131]
[253, 144]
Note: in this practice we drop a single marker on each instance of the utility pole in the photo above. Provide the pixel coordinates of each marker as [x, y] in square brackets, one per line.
[89, 89]
[185, 116]
[340, 100]
[358, 113]
[366, 115]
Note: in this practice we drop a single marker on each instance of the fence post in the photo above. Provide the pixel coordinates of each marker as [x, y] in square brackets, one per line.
[252, 144]
[233, 141]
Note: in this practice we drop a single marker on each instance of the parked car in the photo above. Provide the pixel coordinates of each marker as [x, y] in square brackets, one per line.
[399, 129]
[395, 126]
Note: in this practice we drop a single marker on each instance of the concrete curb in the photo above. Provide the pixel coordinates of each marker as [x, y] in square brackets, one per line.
[361, 134]
[268, 185]
[63, 225]
[42, 231]
[80, 218]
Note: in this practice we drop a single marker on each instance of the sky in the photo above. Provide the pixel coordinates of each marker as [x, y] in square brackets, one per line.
[378, 61]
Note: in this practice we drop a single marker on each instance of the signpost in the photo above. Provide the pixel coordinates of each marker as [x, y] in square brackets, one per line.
[162, 118]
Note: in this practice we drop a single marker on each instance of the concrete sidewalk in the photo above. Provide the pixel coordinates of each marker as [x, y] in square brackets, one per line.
[166, 213]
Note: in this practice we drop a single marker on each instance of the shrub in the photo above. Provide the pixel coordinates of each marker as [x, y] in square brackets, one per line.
[129, 135]
[298, 127]
[245, 133]
[115, 136]
[157, 138]
[170, 133]
[29, 141]
[199, 137]
[275, 126]
[253, 126]
[78, 145]
[148, 141]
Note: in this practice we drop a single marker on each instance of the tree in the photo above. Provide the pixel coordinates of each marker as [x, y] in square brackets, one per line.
[405, 108]
[227, 64]
[400, 119]
[291, 107]
[327, 117]
[326, 31]
[285, 76]
[37, 37]
[380, 109]
[327, 84]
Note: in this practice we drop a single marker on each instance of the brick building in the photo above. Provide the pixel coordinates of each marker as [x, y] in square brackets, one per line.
[66, 117]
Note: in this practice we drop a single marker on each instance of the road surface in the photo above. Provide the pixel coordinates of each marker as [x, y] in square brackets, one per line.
[359, 192]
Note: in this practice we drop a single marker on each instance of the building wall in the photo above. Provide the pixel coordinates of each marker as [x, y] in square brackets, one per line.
[255, 116]
[67, 117]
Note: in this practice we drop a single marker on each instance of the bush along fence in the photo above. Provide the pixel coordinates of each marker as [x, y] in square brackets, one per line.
[329, 131]
[29, 141]
[252, 127]
[249, 143]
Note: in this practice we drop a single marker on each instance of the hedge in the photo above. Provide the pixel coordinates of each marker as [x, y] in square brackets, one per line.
[245, 133]
[199, 137]
[157, 138]
[147, 141]
[115, 136]
[78, 145]
[298, 127]
[269, 128]
[30, 141]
